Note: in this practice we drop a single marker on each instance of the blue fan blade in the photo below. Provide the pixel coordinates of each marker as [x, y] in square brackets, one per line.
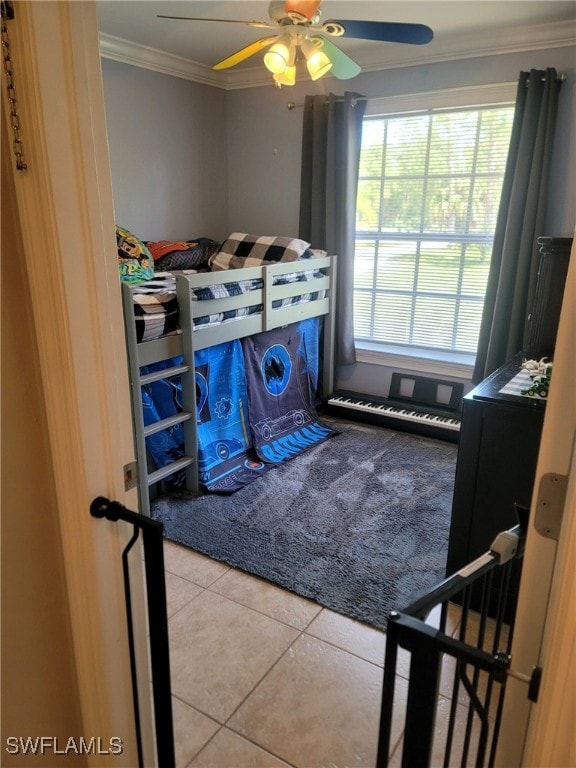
[343, 67]
[386, 31]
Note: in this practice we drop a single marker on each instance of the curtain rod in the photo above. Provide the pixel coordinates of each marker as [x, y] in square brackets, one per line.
[293, 105]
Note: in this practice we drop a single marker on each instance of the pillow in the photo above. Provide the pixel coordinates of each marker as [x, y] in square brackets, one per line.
[186, 254]
[314, 253]
[242, 250]
[134, 259]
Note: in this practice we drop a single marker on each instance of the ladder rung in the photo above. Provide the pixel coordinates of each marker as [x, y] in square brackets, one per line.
[165, 373]
[158, 426]
[169, 469]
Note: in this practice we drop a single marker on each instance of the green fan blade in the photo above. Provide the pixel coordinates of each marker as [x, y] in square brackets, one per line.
[343, 67]
[245, 53]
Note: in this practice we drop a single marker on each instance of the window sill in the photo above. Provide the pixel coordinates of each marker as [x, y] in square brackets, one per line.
[421, 360]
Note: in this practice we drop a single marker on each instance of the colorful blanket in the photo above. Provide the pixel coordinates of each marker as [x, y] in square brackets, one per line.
[254, 406]
[226, 459]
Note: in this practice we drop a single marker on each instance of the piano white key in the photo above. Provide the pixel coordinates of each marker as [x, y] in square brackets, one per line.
[396, 412]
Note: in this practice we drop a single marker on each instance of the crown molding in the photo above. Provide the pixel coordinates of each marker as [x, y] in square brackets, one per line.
[127, 52]
[448, 48]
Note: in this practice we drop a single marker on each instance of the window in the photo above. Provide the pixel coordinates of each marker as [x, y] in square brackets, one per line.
[428, 195]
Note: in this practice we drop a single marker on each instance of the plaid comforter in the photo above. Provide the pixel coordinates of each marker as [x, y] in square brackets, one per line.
[156, 306]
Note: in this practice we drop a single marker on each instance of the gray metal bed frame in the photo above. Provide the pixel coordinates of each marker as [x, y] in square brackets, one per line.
[191, 339]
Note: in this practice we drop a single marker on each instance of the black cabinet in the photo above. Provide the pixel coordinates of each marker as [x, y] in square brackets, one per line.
[497, 454]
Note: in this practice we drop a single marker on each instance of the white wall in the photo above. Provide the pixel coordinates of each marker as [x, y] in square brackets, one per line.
[264, 157]
[167, 140]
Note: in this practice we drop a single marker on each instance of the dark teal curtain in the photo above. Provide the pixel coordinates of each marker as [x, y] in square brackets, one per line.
[515, 256]
[331, 141]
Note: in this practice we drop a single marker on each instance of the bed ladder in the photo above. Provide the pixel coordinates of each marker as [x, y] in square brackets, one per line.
[186, 417]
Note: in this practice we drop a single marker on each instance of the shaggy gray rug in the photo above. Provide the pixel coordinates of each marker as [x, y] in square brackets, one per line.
[359, 523]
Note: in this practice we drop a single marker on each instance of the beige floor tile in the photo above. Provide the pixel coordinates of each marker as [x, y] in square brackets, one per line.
[357, 638]
[219, 650]
[398, 720]
[478, 678]
[319, 706]
[452, 618]
[440, 736]
[485, 638]
[191, 565]
[350, 635]
[179, 591]
[228, 750]
[192, 731]
[267, 598]
[441, 731]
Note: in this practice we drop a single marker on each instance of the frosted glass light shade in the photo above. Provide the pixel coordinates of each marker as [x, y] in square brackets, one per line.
[288, 77]
[277, 58]
[316, 60]
[318, 65]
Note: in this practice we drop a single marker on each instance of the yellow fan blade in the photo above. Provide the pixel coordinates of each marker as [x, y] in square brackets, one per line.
[245, 53]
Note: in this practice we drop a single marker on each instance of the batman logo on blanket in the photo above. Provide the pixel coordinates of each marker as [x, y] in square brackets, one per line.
[276, 368]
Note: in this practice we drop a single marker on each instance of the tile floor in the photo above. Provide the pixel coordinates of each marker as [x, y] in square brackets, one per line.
[263, 678]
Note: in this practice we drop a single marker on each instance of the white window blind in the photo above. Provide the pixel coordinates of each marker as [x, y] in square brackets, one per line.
[428, 195]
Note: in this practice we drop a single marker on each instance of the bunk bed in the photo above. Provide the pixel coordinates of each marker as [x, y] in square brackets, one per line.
[209, 313]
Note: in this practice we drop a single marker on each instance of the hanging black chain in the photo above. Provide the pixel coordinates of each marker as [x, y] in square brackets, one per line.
[7, 13]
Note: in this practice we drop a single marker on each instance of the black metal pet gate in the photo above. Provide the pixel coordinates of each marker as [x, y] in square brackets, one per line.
[456, 640]
[152, 543]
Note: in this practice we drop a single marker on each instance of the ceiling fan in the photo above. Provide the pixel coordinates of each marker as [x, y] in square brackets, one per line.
[298, 29]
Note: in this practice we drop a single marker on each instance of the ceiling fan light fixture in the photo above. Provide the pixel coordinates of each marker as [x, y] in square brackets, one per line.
[296, 24]
[317, 62]
[277, 57]
[288, 77]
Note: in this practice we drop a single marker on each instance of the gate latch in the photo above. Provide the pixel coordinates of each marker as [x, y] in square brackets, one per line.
[130, 475]
[532, 680]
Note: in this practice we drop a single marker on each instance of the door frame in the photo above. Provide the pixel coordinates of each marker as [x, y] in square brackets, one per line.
[537, 734]
[66, 218]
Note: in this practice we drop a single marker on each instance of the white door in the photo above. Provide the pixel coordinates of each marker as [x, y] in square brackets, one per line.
[542, 734]
[66, 220]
